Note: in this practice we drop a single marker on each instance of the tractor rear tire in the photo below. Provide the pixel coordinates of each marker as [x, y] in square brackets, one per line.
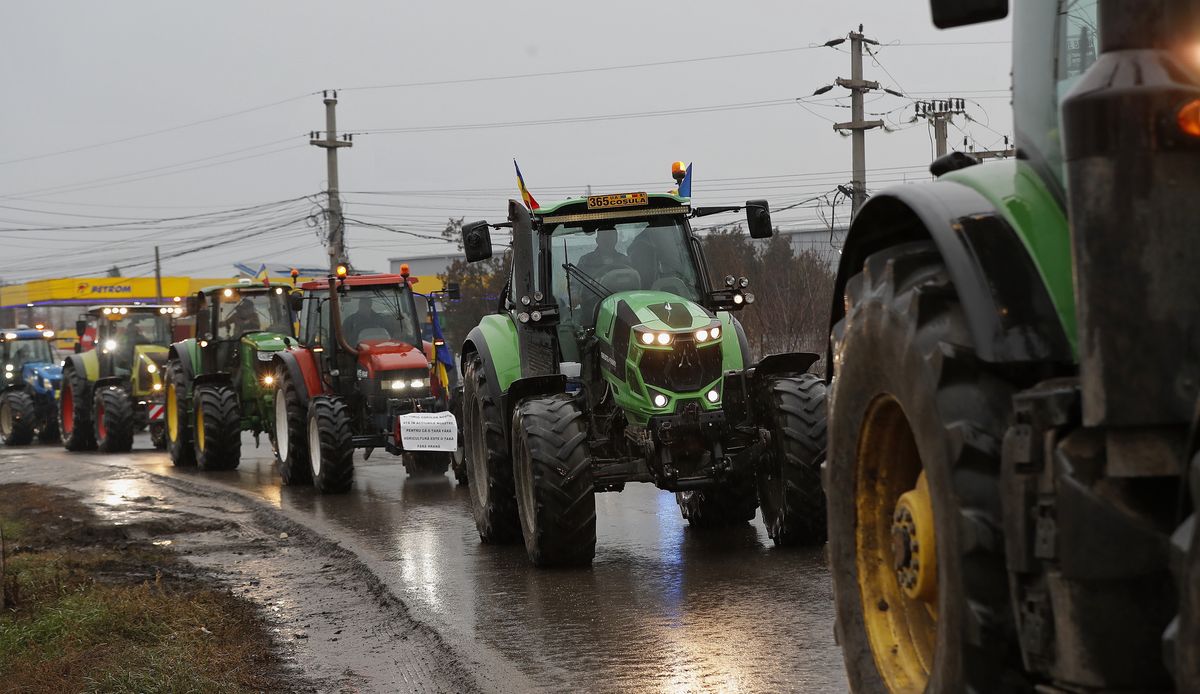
[493, 492]
[789, 475]
[178, 423]
[17, 417]
[722, 505]
[330, 444]
[75, 412]
[112, 417]
[914, 452]
[289, 437]
[427, 463]
[218, 427]
[555, 495]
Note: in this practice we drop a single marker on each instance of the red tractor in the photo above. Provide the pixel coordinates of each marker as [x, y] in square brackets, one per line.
[363, 378]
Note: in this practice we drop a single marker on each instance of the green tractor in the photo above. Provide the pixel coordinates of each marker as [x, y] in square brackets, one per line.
[113, 384]
[612, 359]
[1014, 421]
[220, 382]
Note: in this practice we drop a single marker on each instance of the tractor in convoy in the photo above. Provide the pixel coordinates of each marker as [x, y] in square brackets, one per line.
[220, 382]
[614, 357]
[32, 377]
[1014, 424]
[113, 384]
[361, 378]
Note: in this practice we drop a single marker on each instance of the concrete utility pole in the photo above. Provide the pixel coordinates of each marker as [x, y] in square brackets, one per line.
[157, 276]
[940, 112]
[331, 143]
[857, 126]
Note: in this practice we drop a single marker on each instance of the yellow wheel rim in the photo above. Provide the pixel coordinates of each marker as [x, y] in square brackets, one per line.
[199, 427]
[172, 413]
[896, 548]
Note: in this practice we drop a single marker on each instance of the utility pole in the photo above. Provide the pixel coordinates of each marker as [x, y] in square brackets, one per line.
[331, 143]
[157, 276]
[939, 113]
[857, 126]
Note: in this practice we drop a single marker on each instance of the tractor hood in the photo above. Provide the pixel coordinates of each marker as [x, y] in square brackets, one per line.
[42, 376]
[378, 356]
[269, 342]
[657, 310]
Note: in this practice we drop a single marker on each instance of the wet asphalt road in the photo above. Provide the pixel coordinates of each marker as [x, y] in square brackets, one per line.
[664, 608]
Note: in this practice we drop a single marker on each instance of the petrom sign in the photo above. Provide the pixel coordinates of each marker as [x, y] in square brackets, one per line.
[92, 289]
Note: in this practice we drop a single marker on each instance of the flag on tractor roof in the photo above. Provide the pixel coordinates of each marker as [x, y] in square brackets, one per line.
[529, 201]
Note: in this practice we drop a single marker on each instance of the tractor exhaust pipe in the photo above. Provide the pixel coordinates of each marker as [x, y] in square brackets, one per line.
[335, 317]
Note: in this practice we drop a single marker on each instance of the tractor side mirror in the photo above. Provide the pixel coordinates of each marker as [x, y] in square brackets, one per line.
[758, 219]
[80, 328]
[453, 291]
[296, 299]
[956, 13]
[477, 241]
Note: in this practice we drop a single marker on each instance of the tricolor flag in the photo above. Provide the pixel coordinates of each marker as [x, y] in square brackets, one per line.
[529, 201]
[685, 186]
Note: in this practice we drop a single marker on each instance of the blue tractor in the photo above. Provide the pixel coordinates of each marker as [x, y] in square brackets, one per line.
[28, 393]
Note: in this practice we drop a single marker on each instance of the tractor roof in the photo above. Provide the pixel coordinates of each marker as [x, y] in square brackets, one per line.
[380, 280]
[241, 286]
[104, 309]
[612, 205]
[8, 334]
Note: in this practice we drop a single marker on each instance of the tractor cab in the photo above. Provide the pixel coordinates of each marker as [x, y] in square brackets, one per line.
[32, 377]
[130, 341]
[28, 357]
[234, 323]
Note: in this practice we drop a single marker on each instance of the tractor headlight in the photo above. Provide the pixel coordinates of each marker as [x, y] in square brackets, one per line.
[660, 400]
[151, 368]
[654, 337]
[647, 338]
[110, 345]
[713, 396]
[399, 385]
[419, 383]
[268, 380]
[663, 339]
[157, 386]
[8, 374]
[715, 332]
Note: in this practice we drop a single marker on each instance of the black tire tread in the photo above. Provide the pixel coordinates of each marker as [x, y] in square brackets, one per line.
[560, 529]
[24, 416]
[118, 420]
[337, 446]
[181, 450]
[82, 437]
[222, 427]
[797, 410]
[496, 516]
[293, 465]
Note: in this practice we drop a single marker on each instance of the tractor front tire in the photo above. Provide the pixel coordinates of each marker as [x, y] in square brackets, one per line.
[330, 444]
[722, 505]
[913, 486]
[218, 427]
[789, 475]
[289, 436]
[493, 492]
[556, 499]
[17, 417]
[75, 412]
[112, 417]
[178, 423]
[427, 463]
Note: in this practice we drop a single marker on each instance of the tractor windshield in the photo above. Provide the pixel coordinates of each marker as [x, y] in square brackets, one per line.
[1045, 67]
[137, 329]
[633, 254]
[17, 353]
[244, 312]
[382, 312]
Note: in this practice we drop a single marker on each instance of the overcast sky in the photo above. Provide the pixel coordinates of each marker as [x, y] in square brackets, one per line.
[80, 74]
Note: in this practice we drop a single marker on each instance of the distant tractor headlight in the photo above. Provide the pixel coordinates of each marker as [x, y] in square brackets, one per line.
[663, 339]
[399, 385]
[8, 374]
[110, 345]
[660, 400]
[702, 335]
[268, 380]
[151, 368]
[738, 299]
[713, 395]
[157, 386]
[647, 338]
[419, 383]
[715, 332]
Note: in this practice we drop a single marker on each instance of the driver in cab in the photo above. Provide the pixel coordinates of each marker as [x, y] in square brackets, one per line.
[365, 318]
[606, 256]
[244, 318]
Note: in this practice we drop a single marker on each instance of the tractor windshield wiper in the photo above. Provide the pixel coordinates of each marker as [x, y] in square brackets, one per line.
[587, 280]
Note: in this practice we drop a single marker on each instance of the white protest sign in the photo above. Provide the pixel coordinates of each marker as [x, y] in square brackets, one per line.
[428, 431]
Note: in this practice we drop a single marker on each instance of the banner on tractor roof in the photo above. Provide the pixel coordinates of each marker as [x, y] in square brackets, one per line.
[525, 196]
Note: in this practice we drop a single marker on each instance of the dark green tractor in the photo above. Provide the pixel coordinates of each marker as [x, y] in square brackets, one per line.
[612, 359]
[220, 382]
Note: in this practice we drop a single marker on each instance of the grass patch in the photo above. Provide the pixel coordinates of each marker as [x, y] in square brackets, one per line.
[115, 616]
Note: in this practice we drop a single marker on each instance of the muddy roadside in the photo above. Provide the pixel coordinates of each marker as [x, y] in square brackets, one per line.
[336, 626]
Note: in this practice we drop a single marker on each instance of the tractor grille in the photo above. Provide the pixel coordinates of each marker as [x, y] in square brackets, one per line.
[683, 368]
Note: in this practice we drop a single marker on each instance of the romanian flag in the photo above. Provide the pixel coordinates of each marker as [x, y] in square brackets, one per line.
[529, 201]
[262, 275]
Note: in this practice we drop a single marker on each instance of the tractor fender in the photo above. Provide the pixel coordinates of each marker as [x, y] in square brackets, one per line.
[216, 377]
[743, 342]
[530, 386]
[495, 341]
[185, 353]
[786, 362]
[118, 381]
[86, 363]
[1009, 310]
[302, 369]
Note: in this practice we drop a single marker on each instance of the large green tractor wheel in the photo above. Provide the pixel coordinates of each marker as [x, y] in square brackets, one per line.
[75, 412]
[289, 437]
[330, 444]
[427, 463]
[913, 487]
[555, 496]
[722, 505]
[493, 494]
[789, 475]
[112, 417]
[17, 417]
[178, 424]
[218, 427]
